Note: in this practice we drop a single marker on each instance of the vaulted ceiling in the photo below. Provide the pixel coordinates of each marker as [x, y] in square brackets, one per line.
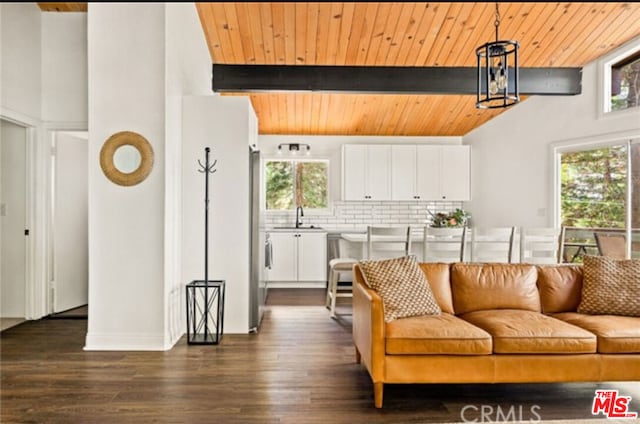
[563, 34]
[400, 34]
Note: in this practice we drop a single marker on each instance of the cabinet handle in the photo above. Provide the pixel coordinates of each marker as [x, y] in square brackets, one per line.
[444, 197]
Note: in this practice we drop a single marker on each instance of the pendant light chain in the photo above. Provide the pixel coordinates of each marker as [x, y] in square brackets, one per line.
[497, 85]
[497, 22]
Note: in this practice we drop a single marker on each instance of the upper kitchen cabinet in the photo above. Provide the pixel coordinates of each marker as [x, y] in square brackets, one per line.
[366, 172]
[455, 173]
[430, 172]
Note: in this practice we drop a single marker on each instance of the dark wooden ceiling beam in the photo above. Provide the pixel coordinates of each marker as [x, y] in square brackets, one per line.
[384, 79]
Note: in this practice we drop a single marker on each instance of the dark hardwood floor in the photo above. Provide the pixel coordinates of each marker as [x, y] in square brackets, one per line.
[298, 369]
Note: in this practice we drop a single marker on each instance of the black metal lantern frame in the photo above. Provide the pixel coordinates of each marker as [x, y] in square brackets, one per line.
[497, 72]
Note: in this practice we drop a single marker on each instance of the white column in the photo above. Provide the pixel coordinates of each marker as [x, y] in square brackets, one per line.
[126, 44]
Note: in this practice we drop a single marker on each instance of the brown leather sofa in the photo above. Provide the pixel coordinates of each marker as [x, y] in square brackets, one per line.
[500, 323]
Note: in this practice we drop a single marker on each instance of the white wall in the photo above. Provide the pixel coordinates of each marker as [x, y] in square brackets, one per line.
[29, 75]
[220, 123]
[126, 224]
[188, 72]
[20, 44]
[13, 143]
[70, 215]
[330, 147]
[136, 82]
[64, 67]
[512, 168]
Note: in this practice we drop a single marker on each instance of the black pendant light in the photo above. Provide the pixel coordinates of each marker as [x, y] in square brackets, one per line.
[497, 72]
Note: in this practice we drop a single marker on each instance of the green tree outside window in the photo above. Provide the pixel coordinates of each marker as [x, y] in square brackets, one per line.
[593, 188]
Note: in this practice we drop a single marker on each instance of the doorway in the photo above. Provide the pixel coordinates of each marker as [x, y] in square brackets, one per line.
[69, 224]
[13, 227]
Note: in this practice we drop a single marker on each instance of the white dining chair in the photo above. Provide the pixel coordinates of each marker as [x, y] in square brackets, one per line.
[443, 244]
[541, 245]
[388, 242]
[492, 244]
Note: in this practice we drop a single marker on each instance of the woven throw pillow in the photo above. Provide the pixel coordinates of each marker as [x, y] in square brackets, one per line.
[610, 287]
[402, 285]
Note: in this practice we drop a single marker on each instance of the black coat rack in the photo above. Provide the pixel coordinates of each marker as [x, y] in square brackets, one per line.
[207, 314]
[206, 169]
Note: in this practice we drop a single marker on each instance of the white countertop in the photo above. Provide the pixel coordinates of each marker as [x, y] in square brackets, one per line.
[302, 229]
[318, 228]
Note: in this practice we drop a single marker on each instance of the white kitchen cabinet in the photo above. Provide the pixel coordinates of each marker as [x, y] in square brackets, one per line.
[430, 172]
[403, 172]
[366, 171]
[312, 257]
[284, 248]
[455, 173]
[298, 256]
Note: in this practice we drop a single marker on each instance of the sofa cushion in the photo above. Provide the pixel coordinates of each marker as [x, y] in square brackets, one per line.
[610, 287]
[478, 287]
[560, 287]
[442, 334]
[438, 276]
[518, 331]
[402, 285]
[616, 334]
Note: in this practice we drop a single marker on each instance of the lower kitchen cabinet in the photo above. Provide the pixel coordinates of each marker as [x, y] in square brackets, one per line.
[298, 256]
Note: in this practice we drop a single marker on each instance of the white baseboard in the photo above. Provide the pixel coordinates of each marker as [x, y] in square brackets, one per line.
[126, 341]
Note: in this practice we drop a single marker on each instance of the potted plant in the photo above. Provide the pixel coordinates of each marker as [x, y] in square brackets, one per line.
[457, 218]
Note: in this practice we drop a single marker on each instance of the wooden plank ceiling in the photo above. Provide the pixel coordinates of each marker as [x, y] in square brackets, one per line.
[400, 34]
[63, 7]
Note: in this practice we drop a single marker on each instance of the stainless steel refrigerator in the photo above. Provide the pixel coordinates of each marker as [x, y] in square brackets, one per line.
[258, 245]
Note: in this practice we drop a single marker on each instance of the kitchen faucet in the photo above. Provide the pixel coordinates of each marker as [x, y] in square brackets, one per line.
[298, 221]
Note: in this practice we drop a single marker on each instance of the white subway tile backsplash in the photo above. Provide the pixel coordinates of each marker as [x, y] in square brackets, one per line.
[359, 214]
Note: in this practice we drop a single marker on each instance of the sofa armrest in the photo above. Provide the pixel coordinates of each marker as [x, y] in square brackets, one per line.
[368, 326]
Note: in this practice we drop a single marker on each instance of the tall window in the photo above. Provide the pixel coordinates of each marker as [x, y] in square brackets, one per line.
[600, 196]
[594, 187]
[293, 183]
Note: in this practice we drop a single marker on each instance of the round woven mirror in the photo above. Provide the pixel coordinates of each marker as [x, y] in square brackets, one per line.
[126, 158]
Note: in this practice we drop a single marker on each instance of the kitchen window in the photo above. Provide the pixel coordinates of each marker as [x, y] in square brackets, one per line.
[293, 183]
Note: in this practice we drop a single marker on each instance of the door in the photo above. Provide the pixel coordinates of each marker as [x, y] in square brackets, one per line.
[403, 173]
[283, 264]
[70, 216]
[312, 257]
[13, 188]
